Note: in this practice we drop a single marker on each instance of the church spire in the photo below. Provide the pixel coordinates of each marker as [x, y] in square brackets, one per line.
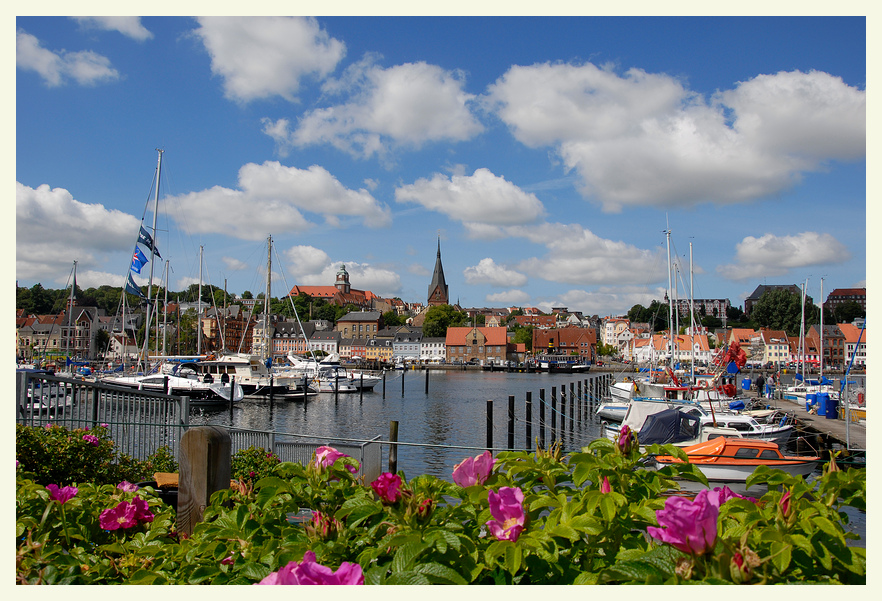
[438, 288]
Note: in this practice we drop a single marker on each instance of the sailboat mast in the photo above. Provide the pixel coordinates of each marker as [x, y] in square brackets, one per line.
[165, 310]
[151, 308]
[821, 364]
[692, 313]
[70, 302]
[802, 333]
[199, 309]
[266, 300]
[670, 301]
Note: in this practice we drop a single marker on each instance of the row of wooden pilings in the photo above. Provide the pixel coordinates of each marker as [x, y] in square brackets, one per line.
[575, 407]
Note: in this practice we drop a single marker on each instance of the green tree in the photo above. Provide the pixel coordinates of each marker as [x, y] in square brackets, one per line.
[441, 317]
[523, 334]
[780, 309]
[848, 311]
[392, 319]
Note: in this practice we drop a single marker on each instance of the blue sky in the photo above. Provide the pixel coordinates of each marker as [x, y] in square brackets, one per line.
[549, 154]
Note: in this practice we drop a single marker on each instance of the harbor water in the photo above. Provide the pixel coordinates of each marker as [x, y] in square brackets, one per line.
[437, 429]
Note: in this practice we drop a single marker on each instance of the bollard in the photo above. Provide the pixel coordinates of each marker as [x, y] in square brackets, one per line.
[489, 424]
[205, 465]
[528, 412]
[393, 447]
[511, 422]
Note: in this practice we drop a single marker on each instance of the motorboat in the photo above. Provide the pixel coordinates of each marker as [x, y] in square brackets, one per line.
[44, 396]
[332, 379]
[250, 372]
[734, 459]
[185, 382]
[363, 380]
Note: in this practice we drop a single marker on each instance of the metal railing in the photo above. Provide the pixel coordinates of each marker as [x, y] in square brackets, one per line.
[139, 422]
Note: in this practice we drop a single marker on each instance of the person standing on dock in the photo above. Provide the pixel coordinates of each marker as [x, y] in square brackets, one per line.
[760, 386]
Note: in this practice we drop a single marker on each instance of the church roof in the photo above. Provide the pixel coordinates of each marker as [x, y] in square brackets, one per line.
[438, 280]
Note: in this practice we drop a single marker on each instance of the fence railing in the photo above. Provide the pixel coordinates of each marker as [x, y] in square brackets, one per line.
[140, 422]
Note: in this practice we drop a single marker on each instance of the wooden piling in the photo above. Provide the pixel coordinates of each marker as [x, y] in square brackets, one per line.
[542, 417]
[528, 412]
[427, 380]
[393, 447]
[553, 415]
[489, 424]
[511, 421]
[204, 468]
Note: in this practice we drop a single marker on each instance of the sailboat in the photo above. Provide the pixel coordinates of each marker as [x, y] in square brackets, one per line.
[200, 390]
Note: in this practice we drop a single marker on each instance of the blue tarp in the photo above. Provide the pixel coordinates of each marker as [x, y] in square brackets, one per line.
[736, 405]
[668, 426]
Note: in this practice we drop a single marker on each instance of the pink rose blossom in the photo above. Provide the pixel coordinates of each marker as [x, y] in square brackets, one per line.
[93, 440]
[125, 515]
[388, 487]
[690, 526]
[62, 495]
[784, 504]
[327, 456]
[507, 506]
[310, 572]
[604, 486]
[127, 486]
[474, 470]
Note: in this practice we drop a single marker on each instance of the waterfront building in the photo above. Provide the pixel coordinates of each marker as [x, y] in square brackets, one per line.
[612, 328]
[360, 324]
[379, 350]
[775, 347]
[833, 349]
[712, 307]
[325, 341]
[851, 333]
[433, 350]
[406, 344]
[287, 337]
[566, 341]
[342, 293]
[478, 344]
[537, 321]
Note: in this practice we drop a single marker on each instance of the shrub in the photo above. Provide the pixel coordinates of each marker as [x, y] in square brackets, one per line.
[253, 463]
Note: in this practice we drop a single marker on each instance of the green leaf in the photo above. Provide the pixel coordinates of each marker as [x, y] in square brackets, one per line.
[203, 573]
[781, 556]
[254, 571]
[827, 526]
[146, 577]
[514, 556]
[440, 574]
[408, 578]
[564, 532]
[406, 554]
[632, 571]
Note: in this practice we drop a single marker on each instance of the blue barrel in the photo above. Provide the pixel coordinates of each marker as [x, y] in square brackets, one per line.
[810, 399]
[822, 403]
[745, 384]
[831, 406]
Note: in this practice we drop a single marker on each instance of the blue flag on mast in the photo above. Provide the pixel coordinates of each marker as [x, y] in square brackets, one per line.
[145, 239]
[138, 260]
[133, 288]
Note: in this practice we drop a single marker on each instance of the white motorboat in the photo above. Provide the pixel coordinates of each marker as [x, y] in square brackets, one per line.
[249, 372]
[186, 383]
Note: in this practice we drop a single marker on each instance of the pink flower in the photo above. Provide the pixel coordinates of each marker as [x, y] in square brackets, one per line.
[627, 440]
[62, 495]
[387, 487]
[425, 508]
[93, 440]
[507, 507]
[125, 515]
[720, 495]
[604, 486]
[227, 561]
[784, 504]
[121, 516]
[127, 486]
[310, 572]
[473, 470]
[690, 526]
[104, 425]
[327, 456]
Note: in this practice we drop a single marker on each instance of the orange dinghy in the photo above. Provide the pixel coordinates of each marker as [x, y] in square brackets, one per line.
[734, 459]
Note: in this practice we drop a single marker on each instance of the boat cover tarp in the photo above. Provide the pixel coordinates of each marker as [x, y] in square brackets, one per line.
[668, 426]
[736, 405]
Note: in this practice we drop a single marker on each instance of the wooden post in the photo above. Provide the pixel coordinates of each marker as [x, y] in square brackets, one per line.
[427, 380]
[553, 415]
[361, 388]
[232, 395]
[489, 424]
[204, 470]
[511, 422]
[572, 401]
[384, 383]
[403, 372]
[271, 391]
[542, 417]
[528, 411]
[581, 399]
[393, 447]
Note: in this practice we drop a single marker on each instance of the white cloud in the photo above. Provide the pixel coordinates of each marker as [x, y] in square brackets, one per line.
[772, 255]
[53, 230]
[483, 198]
[234, 264]
[261, 57]
[128, 26]
[84, 67]
[409, 105]
[306, 260]
[641, 139]
[578, 256]
[509, 298]
[488, 272]
[271, 199]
